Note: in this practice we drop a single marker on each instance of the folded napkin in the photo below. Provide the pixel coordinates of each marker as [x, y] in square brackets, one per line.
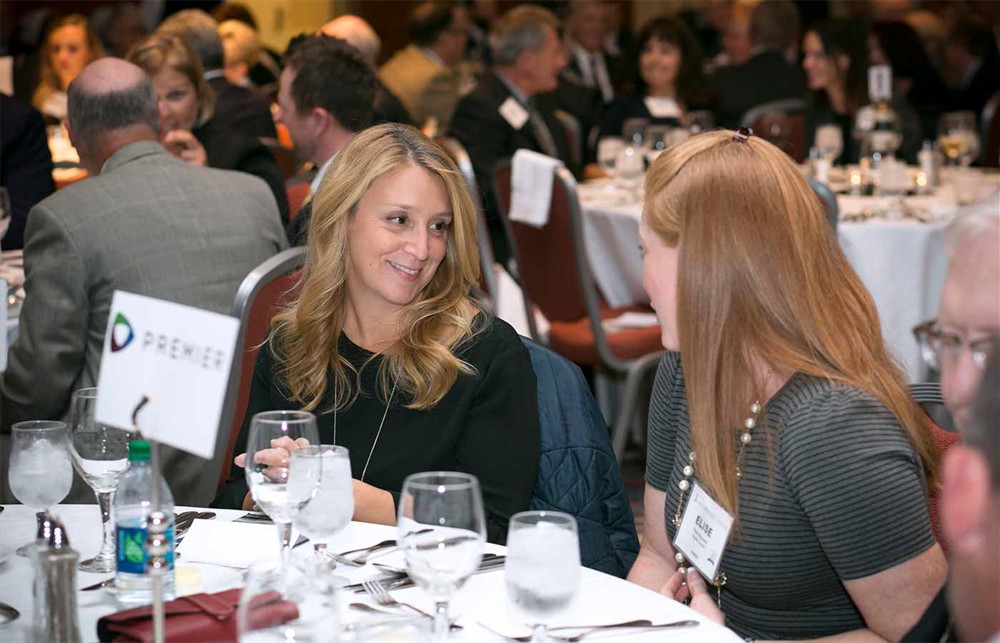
[233, 544]
[531, 187]
[199, 617]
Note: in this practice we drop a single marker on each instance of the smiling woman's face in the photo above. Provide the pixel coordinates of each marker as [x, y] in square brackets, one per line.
[177, 99]
[659, 64]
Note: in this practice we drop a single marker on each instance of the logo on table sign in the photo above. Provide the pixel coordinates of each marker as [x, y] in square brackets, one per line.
[121, 333]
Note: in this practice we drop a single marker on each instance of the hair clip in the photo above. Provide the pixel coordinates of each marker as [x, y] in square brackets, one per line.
[743, 134]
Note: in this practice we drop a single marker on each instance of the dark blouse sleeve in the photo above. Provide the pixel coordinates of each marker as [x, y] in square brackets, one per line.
[502, 438]
[855, 475]
[662, 428]
[262, 392]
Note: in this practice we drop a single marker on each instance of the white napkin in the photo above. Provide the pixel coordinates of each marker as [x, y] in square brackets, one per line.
[630, 320]
[531, 187]
[234, 544]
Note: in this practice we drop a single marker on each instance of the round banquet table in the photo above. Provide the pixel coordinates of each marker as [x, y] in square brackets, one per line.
[902, 262]
[601, 598]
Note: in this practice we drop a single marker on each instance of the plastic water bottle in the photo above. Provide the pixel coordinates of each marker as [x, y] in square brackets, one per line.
[133, 504]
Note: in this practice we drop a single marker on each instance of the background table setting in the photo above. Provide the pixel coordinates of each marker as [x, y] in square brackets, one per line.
[216, 552]
[899, 255]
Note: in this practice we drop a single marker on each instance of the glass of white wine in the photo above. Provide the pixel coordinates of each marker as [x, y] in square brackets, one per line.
[543, 566]
[958, 139]
[100, 455]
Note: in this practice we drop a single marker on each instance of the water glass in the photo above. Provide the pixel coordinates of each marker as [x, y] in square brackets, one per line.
[442, 531]
[542, 571]
[100, 456]
[40, 473]
[958, 138]
[829, 141]
[327, 469]
[267, 468]
[630, 166]
[608, 149]
[284, 606]
[632, 130]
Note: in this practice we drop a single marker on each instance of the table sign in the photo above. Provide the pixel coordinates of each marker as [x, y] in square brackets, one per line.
[177, 357]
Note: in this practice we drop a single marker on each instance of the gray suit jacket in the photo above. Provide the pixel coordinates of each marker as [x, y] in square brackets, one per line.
[148, 224]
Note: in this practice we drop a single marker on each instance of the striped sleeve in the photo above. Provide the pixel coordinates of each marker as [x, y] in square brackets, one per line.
[662, 427]
[858, 480]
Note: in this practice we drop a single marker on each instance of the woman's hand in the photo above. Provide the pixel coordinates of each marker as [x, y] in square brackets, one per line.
[275, 459]
[701, 599]
[186, 147]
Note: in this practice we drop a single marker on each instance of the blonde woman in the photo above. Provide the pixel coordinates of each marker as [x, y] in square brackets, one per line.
[387, 342]
[69, 46]
[778, 400]
[187, 126]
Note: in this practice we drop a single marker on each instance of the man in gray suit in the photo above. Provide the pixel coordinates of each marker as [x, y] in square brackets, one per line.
[144, 222]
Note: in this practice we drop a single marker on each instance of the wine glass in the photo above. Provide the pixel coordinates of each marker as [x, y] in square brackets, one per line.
[267, 468]
[958, 138]
[100, 456]
[700, 121]
[829, 141]
[40, 473]
[442, 529]
[326, 468]
[632, 130]
[629, 167]
[286, 605]
[608, 149]
[542, 570]
[656, 140]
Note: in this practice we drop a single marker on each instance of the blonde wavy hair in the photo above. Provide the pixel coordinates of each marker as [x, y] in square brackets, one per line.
[48, 79]
[760, 275]
[158, 51]
[447, 313]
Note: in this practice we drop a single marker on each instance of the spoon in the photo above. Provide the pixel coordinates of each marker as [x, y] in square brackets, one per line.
[8, 613]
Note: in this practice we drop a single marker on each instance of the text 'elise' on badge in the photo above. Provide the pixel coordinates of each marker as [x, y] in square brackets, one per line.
[703, 532]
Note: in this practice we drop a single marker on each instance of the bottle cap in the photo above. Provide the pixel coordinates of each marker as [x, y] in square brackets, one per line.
[138, 451]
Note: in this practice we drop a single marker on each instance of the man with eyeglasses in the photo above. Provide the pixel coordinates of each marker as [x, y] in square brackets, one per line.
[957, 342]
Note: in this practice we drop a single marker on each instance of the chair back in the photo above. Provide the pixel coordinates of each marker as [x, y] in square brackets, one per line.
[554, 274]
[283, 156]
[577, 471]
[928, 396]
[574, 136]
[829, 200]
[267, 289]
[781, 122]
[487, 277]
[990, 126]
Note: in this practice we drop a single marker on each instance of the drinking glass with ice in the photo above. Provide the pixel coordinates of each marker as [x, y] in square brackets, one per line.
[41, 472]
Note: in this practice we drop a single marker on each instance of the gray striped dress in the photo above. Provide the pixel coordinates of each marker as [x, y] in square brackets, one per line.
[844, 498]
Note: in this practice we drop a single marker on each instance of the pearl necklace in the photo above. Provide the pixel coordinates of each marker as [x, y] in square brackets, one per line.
[746, 437]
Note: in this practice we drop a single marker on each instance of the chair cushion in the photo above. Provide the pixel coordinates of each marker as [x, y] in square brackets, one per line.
[575, 340]
[577, 471]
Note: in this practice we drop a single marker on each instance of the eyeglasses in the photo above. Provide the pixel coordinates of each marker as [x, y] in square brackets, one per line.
[938, 347]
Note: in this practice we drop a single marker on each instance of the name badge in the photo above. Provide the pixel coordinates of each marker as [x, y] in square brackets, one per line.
[514, 113]
[703, 532]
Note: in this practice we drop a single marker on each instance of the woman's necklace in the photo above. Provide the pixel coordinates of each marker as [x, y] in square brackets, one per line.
[377, 433]
[688, 472]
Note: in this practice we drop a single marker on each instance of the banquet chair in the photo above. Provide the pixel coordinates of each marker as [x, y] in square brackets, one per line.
[488, 275]
[555, 277]
[928, 396]
[283, 156]
[781, 122]
[298, 192]
[577, 470]
[829, 200]
[574, 136]
[265, 291]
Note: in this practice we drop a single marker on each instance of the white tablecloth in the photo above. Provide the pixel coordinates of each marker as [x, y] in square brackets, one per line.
[601, 598]
[902, 262]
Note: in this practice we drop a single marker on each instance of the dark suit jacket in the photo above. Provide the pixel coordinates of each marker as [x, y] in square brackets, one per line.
[228, 148]
[388, 108]
[983, 84]
[762, 79]
[243, 109]
[489, 138]
[25, 164]
[149, 224]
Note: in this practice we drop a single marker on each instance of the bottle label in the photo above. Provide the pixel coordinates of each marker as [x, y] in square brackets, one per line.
[132, 549]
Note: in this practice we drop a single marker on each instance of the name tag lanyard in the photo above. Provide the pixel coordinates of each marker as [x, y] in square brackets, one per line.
[703, 527]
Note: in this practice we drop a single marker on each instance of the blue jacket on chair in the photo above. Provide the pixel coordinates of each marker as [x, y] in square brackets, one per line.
[578, 472]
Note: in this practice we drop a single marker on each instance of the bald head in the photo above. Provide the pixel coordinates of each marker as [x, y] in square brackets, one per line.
[358, 34]
[111, 104]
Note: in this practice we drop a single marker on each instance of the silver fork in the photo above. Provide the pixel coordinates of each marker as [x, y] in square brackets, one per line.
[382, 596]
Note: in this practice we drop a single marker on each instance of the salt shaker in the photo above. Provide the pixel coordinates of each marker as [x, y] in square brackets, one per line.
[55, 586]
